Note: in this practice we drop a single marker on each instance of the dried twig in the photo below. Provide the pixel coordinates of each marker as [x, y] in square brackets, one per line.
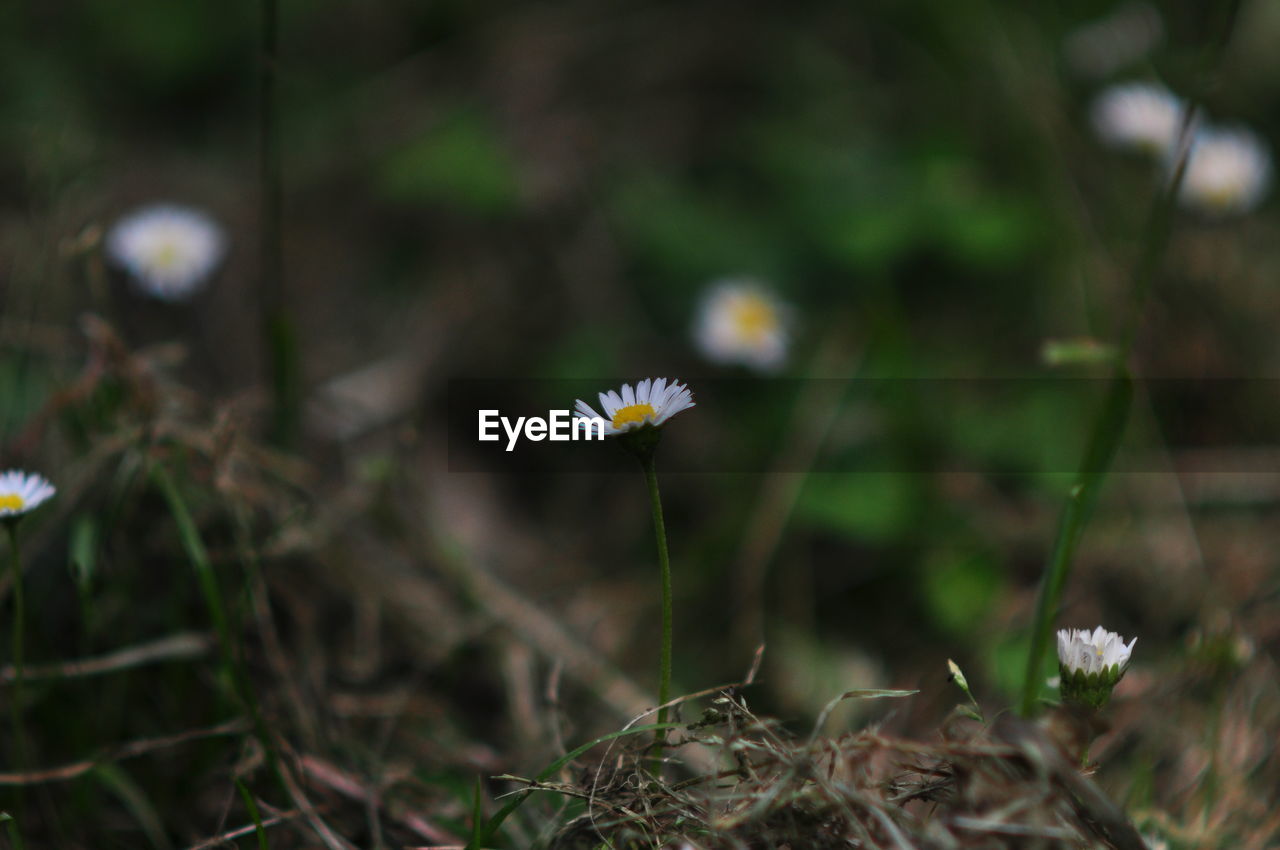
[179, 647]
[124, 751]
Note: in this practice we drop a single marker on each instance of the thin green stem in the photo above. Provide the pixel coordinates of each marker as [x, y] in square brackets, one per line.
[19, 630]
[664, 565]
[1108, 428]
[277, 327]
[199, 558]
[232, 664]
[1103, 443]
[15, 835]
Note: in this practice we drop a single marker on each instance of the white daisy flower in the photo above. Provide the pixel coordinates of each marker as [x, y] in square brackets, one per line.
[1090, 664]
[1105, 45]
[651, 403]
[169, 251]
[1082, 651]
[1228, 171]
[1140, 116]
[741, 322]
[21, 492]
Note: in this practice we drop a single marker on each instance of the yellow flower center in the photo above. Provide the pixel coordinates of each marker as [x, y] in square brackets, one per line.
[166, 257]
[632, 413]
[1222, 197]
[754, 317]
[11, 501]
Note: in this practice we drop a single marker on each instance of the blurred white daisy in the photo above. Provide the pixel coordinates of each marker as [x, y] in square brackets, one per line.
[741, 322]
[1105, 45]
[1082, 651]
[1140, 116]
[169, 251]
[652, 402]
[1228, 171]
[21, 492]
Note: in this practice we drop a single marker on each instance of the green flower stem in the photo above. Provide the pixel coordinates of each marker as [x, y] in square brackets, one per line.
[1108, 428]
[19, 629]
[1103, 443]
[280, 337]
[664, 565]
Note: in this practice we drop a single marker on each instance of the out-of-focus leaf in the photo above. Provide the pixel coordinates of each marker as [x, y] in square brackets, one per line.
[986, 233]
[1076, 352]
[459, 163]
[164, 44]
[1007, 663]
[868, 506]
[959, 591]
[1020, 427]
[83, 549]
[688, 234]
[582, 352]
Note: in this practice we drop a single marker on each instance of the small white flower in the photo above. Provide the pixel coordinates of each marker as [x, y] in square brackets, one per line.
[652, 402]
[21, 492]
[1138, 115]
[1228, 171]
[741, 322]
[1082, 651]
[1105, 45]
[169, 251]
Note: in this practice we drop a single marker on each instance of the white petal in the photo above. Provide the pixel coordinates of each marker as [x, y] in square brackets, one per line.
[643, 395]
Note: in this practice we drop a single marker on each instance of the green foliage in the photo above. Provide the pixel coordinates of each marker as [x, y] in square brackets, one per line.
[164, 46]
[687, 232]
[960, 590]
[874, 507]
[460, 162]
[82, 550]
[1007, 663]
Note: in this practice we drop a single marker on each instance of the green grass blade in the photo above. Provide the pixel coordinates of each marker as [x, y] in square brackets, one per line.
[199, 556]
[113, 777]
[11, 826]
[252, 806]
[233, 670]
[477, 816]
[1099, 454]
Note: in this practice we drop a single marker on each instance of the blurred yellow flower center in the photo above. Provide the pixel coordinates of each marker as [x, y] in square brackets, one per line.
[754, 316]
[166, 256]
[11, 501]
[632, 413]
[1222, 197]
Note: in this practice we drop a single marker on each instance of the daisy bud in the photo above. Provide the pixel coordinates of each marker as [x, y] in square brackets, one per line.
[1090, 664]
